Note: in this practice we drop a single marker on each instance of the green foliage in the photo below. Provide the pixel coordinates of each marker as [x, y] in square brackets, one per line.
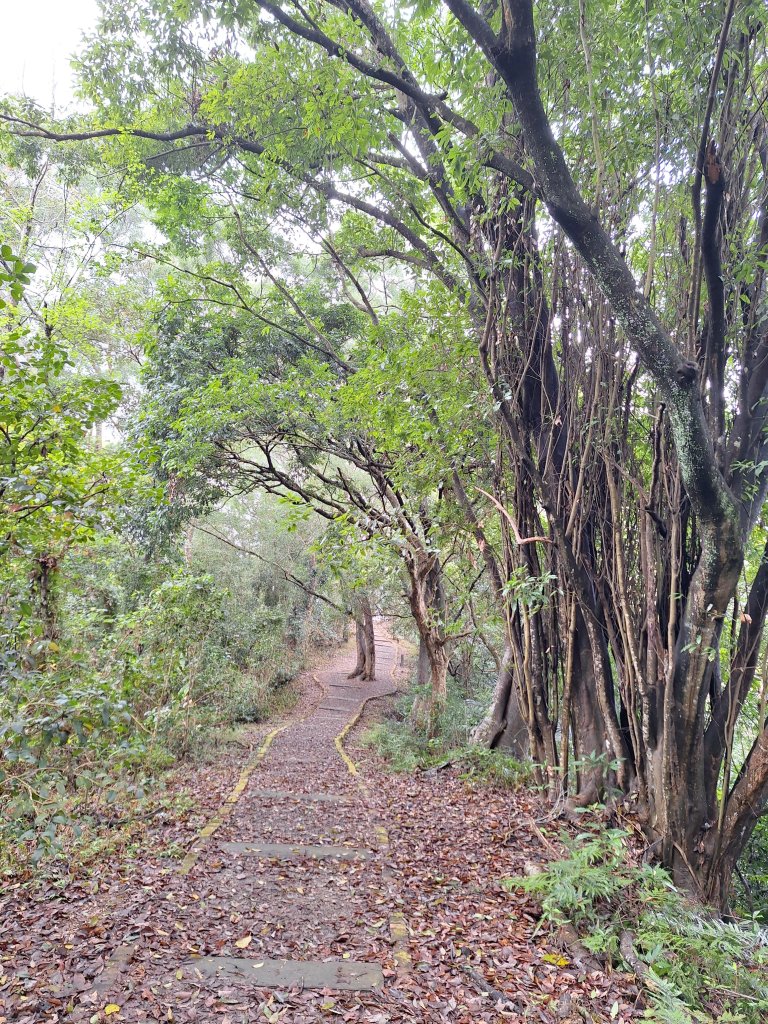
[53, 482]
[696, 968]
[58, 740]
[751, 881]
[407, 749]
[15, 275]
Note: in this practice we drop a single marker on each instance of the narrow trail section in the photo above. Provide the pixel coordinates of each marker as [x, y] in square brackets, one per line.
[293, 863]
[281, 908]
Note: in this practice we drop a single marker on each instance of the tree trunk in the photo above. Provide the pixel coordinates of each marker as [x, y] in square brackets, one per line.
[426, 600]
[592, 774]
[684, 804]
[743, 810]
[360, 645]
[423, 672]
[369, 642]
[43, 582]
[427, 708]
[504, 726]
[365, 665]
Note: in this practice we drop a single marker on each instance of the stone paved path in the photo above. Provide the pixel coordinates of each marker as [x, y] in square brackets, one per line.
[290, 880]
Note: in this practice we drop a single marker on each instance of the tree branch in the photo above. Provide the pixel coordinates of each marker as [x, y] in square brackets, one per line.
[288, 576]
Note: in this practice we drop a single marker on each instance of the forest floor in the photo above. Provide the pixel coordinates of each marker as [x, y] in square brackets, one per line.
[314, 885]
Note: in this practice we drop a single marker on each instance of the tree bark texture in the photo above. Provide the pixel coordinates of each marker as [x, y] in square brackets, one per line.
[365, 665]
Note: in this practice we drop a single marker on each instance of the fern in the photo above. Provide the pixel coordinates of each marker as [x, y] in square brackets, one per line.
[668, 1005]
[698, 969]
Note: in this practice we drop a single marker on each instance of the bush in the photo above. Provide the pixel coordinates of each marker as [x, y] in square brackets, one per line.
[152, 661]
[696, 969]
[407, 749]
[61, 742]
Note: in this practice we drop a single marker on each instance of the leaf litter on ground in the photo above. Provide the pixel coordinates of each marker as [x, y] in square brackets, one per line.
[115, 943]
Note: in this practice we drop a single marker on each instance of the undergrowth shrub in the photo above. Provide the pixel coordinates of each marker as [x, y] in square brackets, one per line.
[751, 881]
[407, 749]
[151, 663]
[64, 746]
[696, 969]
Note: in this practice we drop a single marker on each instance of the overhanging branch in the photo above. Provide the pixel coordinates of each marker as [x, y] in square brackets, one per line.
[288, 576]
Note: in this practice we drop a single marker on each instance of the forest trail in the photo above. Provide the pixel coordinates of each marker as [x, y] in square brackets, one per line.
[318, 887]
[288, 874]
[298, 859]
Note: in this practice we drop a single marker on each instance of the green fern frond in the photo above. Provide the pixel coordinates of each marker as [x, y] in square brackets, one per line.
[700, 970]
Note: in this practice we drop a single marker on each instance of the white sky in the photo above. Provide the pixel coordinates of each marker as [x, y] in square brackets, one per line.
[36, 42]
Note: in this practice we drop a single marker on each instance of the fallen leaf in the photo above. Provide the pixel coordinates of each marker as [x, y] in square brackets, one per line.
[556, 959]
[111, 1008]
[245, 941]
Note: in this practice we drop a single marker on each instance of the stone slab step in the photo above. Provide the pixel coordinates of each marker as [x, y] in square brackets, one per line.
[344, 975]
[284, 851]
[304, 798]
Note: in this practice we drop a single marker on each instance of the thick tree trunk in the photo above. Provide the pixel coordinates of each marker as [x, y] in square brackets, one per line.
[682, 779]
[426, 601]
[504, 726]
[427, 708]
[365, 665]
[360, 645]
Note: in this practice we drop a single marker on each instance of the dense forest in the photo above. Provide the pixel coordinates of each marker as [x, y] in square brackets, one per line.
[450, 313]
